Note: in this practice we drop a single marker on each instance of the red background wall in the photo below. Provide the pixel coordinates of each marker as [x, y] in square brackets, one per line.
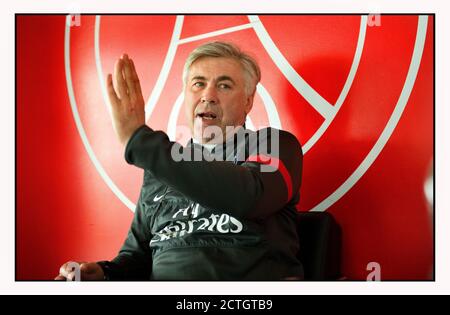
[74, 196]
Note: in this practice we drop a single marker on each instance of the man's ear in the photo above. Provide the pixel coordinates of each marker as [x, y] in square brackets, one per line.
[249, 103]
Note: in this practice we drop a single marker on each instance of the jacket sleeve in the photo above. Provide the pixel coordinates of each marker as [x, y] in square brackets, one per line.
[243, 191]
[134, 261]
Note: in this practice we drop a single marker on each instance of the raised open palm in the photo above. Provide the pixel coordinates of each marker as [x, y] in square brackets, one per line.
[125, 96]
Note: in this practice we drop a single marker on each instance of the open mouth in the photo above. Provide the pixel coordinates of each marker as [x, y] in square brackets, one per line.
[207, 115]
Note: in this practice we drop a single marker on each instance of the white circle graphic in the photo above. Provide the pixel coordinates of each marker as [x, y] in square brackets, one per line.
[327, 110]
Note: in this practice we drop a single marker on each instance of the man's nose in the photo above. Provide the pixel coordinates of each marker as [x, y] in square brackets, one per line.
[209, 95]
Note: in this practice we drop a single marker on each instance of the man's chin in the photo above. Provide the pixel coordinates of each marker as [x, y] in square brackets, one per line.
[209, 134]
[214, 134]
[213, 140]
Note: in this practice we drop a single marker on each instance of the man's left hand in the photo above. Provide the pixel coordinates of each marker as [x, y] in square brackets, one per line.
[125, 96]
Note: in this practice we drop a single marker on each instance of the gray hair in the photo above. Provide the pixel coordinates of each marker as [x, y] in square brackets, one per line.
[252, 72]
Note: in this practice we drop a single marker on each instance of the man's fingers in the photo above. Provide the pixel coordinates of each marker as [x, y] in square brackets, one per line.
[60, 278]
[113, 98]
[128, 111]
[119, 81]
[129, 77]
[133, 71]
[70, 276]
[84, 270]
[63, 270]
[67, 271]
[137, 83]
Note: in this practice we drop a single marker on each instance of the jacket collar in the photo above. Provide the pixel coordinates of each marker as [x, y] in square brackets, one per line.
[212, 148]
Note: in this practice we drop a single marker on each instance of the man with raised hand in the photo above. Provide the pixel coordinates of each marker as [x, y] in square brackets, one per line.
[221, 208]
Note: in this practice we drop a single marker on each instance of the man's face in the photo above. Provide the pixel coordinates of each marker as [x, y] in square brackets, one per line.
[215, 96]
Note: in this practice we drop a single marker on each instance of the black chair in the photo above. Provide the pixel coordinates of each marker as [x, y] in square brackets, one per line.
[320, 246]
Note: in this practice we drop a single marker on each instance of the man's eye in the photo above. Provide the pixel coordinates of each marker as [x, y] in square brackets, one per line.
[224, 86]
[198, 84]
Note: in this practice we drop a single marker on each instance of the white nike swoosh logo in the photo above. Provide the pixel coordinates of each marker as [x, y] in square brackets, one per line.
[158, 198]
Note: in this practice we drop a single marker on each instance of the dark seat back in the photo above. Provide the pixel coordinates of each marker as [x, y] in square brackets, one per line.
[320, 245]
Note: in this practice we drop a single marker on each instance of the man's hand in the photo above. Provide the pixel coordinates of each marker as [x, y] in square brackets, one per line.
[125, 96]
[89, 271]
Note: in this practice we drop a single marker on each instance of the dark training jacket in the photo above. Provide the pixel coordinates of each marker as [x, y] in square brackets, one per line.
[222, 216]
